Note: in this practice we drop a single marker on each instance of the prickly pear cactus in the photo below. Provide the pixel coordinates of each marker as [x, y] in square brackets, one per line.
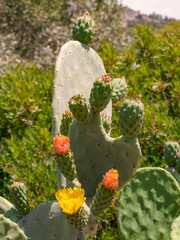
[172, 159]
[148, 205]
[175, 229]
[94, 151]
[10, 230]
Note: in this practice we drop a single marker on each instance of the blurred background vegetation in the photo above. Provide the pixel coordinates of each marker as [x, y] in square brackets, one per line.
[145, 50]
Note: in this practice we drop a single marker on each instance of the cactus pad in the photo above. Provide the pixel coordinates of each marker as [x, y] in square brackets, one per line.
[148, 205]
[175, 229]
[95, 153]
[84, 28]
[10, 230]
[130, 117]
[47, 221]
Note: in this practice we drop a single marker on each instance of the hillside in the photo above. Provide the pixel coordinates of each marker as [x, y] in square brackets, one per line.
[132, 18]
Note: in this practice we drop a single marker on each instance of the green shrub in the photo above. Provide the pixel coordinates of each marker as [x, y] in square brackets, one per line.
[151, 68]
[26, 140]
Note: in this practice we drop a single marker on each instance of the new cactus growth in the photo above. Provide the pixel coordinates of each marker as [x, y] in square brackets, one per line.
[80, 108]
[130, 117]
[64, 157]
[171, 153]
[119, 87]
[105, 192]
[100, 93]
[19, 197]
[106, 122]
[66, 120]
[84, 28]
[172, 159]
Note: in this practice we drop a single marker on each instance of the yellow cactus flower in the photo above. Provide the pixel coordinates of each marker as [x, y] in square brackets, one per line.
[70, 200]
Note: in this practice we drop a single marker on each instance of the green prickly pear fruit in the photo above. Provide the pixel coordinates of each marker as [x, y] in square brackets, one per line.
[84, 28]
[119, 87]
[100, 93]
[80, 108]
[19, 197]
[171, 153]
[105, 192]
[66, 120]
[131, 117]
[10, 230]
[71, 201]
[64, 157]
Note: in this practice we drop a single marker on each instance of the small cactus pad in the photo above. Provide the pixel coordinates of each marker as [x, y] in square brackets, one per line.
[95, 153]
[66, 120]
[101, 200]
[119, 87]
[84, 28]
[100, 93]
[171, 153]
[48, 222]
[175, 229]
[67, 166]
[148, 205]
[10, 230]
[105, 192]
[19, 197]
[80, 108]
[130, 117]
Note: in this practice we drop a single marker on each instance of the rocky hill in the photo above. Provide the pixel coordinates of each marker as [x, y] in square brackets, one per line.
[131, 18]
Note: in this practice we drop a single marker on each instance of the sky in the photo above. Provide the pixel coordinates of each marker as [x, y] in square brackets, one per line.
[170, 8]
